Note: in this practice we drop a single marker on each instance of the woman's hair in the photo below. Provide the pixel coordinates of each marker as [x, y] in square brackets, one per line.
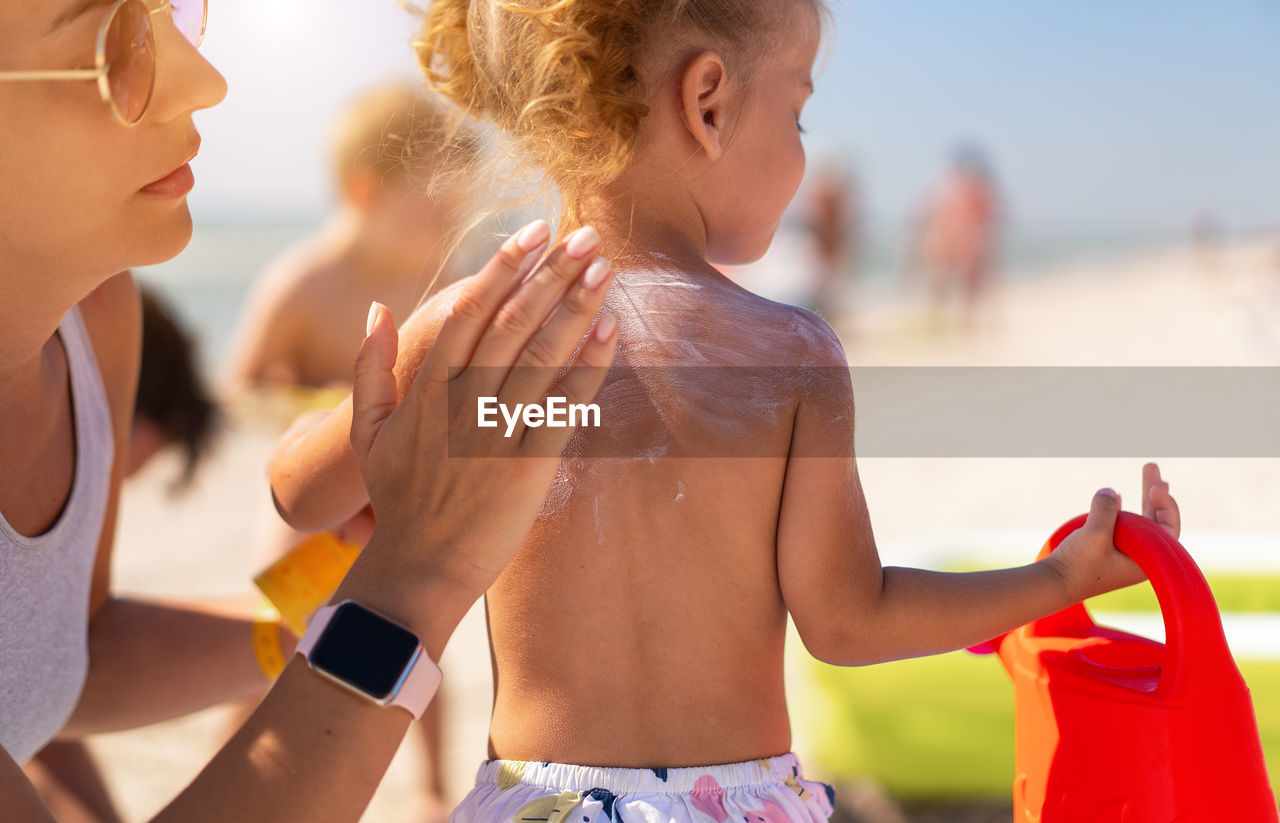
[566, 78]
[401, 133]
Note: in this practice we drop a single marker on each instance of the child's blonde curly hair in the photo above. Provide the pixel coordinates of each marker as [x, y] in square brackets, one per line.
[399, 133]
[566, 78]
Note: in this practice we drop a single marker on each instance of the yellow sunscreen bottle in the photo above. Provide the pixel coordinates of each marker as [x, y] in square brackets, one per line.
[306, 577]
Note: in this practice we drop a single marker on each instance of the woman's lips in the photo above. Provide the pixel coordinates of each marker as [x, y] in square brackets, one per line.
[176, 183]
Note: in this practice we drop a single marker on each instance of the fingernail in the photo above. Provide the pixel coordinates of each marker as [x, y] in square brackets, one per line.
[533, 235]
[605, 328]
[582, 242]
[1108, 492]
[373, 318]
[530, 260]
[596, 273]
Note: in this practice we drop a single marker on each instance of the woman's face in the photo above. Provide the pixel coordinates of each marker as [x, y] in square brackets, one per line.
[77, 202]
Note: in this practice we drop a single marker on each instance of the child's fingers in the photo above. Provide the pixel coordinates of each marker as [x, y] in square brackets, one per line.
[542, 357]
[1150, 476]
[373, 394]
[1165, 509]
[579, 386]
[482, 297]
[521, 315]
[1103, 510]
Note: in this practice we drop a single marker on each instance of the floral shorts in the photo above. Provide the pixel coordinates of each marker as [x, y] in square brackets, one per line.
[758, 791]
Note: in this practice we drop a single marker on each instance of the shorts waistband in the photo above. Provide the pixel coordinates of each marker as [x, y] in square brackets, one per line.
[506, 774]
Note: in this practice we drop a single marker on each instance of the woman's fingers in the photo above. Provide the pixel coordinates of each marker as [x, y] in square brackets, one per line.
[481, 298]
[579, 387]
[539, 363]
[520, 317]
[373, 394]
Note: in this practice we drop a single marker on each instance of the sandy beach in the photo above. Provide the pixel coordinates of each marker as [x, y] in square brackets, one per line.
[1172, 308]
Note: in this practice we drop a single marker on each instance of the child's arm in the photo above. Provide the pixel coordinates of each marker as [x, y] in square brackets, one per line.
[851, 611]
[314, 477]
[261, 349]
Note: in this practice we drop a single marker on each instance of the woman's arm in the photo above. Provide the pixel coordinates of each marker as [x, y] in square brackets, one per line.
[151, 661]
[849, 610]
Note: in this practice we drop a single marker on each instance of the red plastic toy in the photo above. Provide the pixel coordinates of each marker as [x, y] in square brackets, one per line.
[1115, 728]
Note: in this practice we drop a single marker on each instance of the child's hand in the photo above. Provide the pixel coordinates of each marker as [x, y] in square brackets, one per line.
[1088, 561]
[1157, 503]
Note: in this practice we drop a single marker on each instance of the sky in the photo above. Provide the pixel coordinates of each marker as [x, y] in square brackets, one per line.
[1095, 115]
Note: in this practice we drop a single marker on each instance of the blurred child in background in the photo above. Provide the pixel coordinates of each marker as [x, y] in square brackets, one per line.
[397, 172]
[397, 167]
[958, 237]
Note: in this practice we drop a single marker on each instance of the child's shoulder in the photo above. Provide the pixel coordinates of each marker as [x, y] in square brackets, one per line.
[300, 281]
[798, 336]
[816, 343]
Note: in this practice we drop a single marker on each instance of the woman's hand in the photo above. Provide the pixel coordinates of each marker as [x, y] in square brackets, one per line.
[462, 518]
[1088, 561]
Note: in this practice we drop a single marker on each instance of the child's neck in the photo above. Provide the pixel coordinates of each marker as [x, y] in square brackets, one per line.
[634, 226]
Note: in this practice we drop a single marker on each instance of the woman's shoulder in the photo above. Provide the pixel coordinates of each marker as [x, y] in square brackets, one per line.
[112, 317]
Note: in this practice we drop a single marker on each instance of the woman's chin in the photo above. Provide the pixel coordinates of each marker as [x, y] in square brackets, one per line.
[166, 239]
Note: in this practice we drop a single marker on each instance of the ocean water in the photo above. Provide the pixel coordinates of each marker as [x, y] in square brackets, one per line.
[208, 283]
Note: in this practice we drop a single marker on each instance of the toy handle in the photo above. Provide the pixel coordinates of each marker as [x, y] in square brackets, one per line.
[1194, 640]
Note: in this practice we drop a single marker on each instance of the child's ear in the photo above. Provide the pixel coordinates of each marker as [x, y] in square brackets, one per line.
[360, 189]
[704, 101]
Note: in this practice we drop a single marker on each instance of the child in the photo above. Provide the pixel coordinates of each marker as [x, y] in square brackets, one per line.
[395, 169]
[638, 634]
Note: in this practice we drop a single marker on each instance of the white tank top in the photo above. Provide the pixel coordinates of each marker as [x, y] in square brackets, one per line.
[44, 581]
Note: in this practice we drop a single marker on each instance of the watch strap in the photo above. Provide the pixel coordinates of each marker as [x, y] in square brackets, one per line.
[416, 688]
[319, 621]
[419, 685]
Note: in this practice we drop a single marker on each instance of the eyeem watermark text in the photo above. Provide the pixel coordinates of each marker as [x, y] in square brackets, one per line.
[556, 414]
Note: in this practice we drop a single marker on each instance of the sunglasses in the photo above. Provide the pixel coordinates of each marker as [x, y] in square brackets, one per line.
[125, 56]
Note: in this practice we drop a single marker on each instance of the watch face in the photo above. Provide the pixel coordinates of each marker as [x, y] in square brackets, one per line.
[364, 650]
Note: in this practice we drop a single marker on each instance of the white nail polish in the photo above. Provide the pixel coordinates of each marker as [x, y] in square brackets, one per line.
[373, 318]
[533, 235]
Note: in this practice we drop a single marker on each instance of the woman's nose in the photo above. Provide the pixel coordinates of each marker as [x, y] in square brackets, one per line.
[185, 80]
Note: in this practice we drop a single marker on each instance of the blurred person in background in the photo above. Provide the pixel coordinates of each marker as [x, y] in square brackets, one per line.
[832, 218]
[173, 409]
[955, 243]
[400, 169]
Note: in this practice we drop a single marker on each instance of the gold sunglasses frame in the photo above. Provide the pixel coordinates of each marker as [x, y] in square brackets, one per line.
[102, 67]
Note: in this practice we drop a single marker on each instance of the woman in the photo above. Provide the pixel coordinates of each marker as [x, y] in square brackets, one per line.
[94, 171]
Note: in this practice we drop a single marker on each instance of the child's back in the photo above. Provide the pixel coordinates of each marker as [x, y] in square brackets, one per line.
[642, 624]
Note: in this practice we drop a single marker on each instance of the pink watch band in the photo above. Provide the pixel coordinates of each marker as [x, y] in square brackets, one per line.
[416, 689]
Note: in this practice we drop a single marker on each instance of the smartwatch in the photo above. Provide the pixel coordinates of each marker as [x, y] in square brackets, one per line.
[366, 653]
